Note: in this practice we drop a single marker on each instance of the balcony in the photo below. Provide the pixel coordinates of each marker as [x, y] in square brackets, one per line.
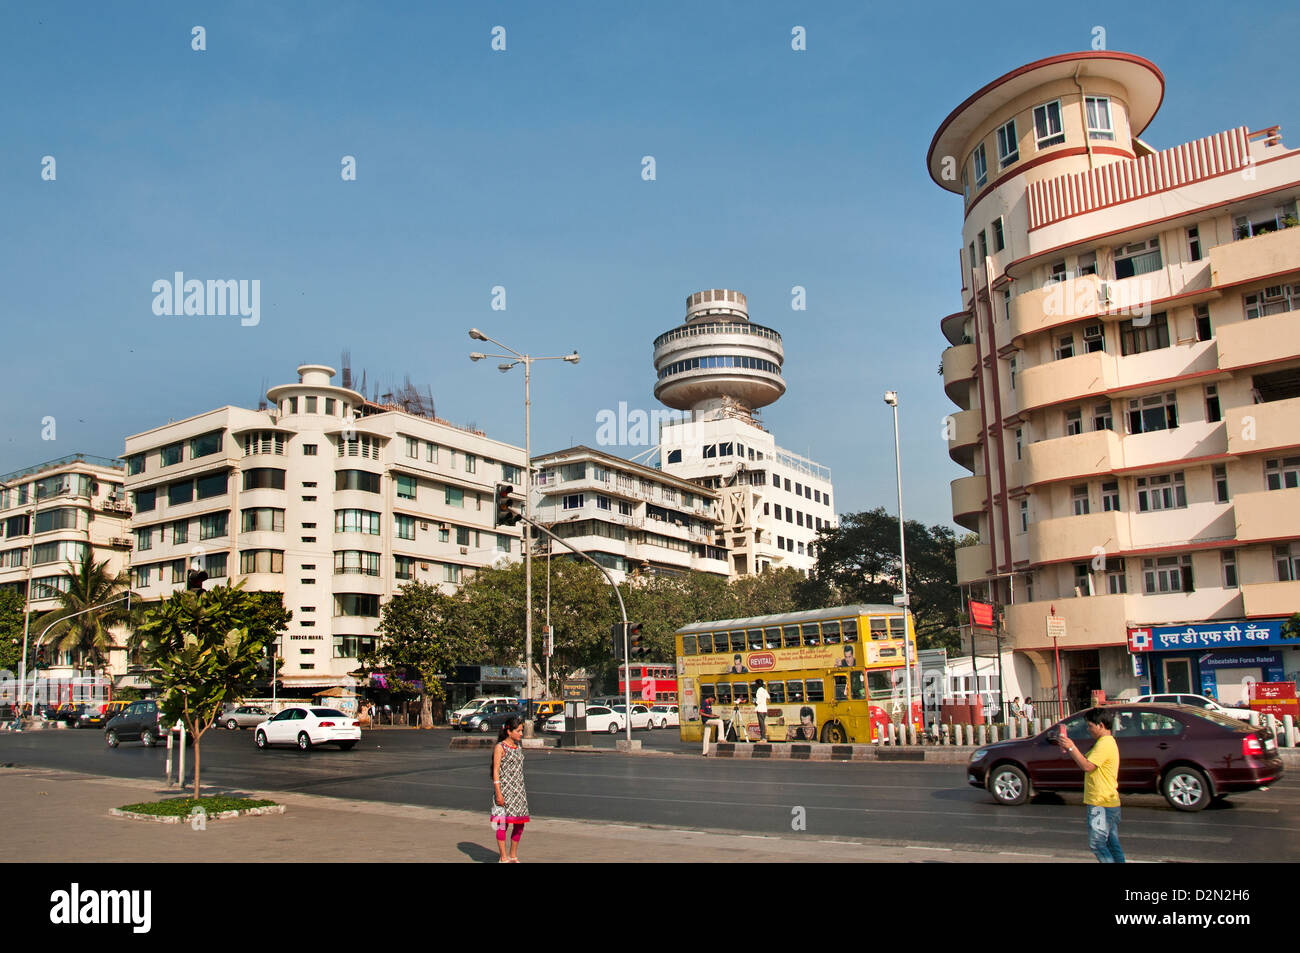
[1268, 515]
[958, 371]
[1066, 458]
[1089, 620]
[1077, 537]
[1257, 428]
[964, 437]
[1271, 599]
[1265, 340]
[1071, 379]
[1272, 254]
[1059, 303]
[968, 496]
[973, 563]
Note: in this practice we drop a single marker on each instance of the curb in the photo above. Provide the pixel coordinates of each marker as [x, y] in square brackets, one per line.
[179, 819]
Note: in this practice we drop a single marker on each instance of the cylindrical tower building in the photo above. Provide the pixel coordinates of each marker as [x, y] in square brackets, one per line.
[717, 355]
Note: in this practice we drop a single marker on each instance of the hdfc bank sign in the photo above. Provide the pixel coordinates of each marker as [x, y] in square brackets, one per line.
[761, 662]
[1139, 640]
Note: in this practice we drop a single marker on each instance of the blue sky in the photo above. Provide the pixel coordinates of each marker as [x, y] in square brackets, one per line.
[522, 169]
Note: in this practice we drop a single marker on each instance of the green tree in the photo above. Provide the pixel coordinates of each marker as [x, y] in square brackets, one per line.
[86, 633]
[857, 561]
[11, 631]
[207, 648]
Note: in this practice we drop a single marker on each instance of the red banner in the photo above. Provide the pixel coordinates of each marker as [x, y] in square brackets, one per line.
[981, 614]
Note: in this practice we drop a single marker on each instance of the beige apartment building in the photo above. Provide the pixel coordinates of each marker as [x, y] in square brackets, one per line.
[51, 514]
[332, 499]
[1125, 366]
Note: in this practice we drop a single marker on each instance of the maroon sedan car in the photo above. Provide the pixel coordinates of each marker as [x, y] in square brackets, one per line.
[1189, 755]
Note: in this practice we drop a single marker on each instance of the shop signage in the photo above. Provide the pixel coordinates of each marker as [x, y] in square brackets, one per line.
[981, 614]
[1209, 635]
[499, 673]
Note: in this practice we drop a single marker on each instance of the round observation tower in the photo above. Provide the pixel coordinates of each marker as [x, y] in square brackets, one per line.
[717, 356]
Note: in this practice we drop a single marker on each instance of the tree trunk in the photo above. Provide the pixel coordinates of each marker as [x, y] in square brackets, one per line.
[196, 767]
[426, 708]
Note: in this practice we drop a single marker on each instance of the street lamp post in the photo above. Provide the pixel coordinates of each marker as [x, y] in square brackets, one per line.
[510, 361]
[891, 398]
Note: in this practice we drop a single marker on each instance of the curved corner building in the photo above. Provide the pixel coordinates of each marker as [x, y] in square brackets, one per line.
[720, 367]
[1125, 366]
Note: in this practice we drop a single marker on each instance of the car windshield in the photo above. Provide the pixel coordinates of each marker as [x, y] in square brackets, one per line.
[327, 713]
[1219, 718]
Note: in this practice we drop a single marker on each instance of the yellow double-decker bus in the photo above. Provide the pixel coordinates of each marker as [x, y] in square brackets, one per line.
[833, 675]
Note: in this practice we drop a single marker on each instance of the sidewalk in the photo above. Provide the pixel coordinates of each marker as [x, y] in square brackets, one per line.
[66, 820]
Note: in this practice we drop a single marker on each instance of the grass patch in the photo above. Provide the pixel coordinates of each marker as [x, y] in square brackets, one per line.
[184, 806]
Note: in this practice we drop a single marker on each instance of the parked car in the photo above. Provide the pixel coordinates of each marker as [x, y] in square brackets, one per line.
[474, 704]
[97, 716]
[70, 715]
[306, 727]
[245, 716]
[1189, 755]
[138, 722]
[640, 716]
[1195, 701]
[544, 711]
[599, 718]
[665, 716]
[490, 717]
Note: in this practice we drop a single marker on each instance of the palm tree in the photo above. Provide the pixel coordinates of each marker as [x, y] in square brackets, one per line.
[89, 584]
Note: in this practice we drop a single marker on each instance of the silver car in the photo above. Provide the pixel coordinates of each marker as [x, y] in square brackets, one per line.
[245, 716]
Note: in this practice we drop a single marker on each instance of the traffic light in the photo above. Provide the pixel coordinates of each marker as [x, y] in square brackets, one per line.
[616, 639]
[194, 580]
[506, 513]
[635, 647]
[40, 656]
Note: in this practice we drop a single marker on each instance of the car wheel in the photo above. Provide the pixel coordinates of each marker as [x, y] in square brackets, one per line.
[111, 738]
[148, 738]
[347, 745]
[1008, 785]
[664, 723]
[261, 739]
[613, 727]
[304, 741]
[649, 725]
[483, 726]
[1186, 789]
[232, 725]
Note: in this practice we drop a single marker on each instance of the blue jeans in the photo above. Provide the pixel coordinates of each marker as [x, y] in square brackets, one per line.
[1103, 834]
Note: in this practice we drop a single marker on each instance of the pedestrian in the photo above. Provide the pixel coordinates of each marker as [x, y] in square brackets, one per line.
[509, 798]
[710, 719]
[1029, 708]
[1100, 784]
[760, 708]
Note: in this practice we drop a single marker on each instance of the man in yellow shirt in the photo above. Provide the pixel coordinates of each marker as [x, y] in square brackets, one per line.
[1100, 785]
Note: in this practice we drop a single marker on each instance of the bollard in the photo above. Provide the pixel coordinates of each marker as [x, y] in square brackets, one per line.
[891, 737]
[994, 739]
[1288, 725]
[961, 734]
[168, 763]
[180, 760]
[911, 735]
[1254, 719]
[943, 734]
[983, 734]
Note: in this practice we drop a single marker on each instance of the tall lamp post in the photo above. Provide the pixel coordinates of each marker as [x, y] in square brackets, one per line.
[510, 360]
[891, 398]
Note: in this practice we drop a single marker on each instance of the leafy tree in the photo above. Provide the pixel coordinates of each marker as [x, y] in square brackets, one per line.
[857, 561]
[87, 635]
[11, 631]
[207, 648]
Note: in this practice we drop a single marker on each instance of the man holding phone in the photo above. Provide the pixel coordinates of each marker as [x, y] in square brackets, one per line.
[1100, 784]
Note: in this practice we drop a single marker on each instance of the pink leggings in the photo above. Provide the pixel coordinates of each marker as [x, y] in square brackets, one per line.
[515, 834]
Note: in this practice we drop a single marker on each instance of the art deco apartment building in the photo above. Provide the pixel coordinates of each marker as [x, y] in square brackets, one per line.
[627, 517]
[720, 367]
[1126, 370]
[329, 498]
[52, 513]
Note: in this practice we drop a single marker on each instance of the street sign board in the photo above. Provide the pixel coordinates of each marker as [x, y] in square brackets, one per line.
[574, 689]
[1055, 627]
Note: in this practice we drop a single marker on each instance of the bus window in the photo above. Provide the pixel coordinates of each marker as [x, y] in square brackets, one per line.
[811, 634]
[721, 643]
[773, 637]
[858, 686]
[708, 691]
[813, 687]
[791, 636]
[724, 693]
[880, 687]
[795, 691]
[737, 640]
[841, 688]
[740, 692]
[878, 630]
[755, 640]
[850, 630]
[776, 690]
[889, 652]
[895, 626]
[688, 645]
[830, 633]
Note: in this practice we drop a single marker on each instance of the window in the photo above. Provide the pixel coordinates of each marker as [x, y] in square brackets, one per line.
[362, 480]
[264, 441]
[1008, 145]
[674, 456]
[1152, 335]
[356, 562]
[1101, 417]
[1057, 272]
[981, 166]
[1024, 516]
[1110, 497]
[1088, 263]
[1287, 561]
[471, 463]
[974, 262]
[1138, 258]
[1006, 305]
[1012, 370]
[1213, 413]
[1165, 492]
[1098, 111]
[412, 448]
[1282, 474]
[504, 543]
[984, 245]
[1073, 421]
[135, 464]
[1094, 338]
[1047, 125]
[1082, 580]
[1064, 346]
[213, 526]
[261, 560]
[1167, 574]
[1156, 412]
[1194, 244]
[450, 573]
[170, 455]
[603, 503]
[1220, 483]
[143, 540]
[404, 526]
[462, 535]
[206, 444]
[1204, 330]
[454, 496]
[1274, 299]
[1079, 499]
[263, 479]
[403, 567]
[512, 474]
[145, 500]
[431, 452]
[999, 236]
[1116, 577]
[405, 486]
[356, 605]
[356, 521]
[1228, 560]
[261, 520]
[310, 405]
[180, 532]
[1020, 436]
[179, 493]
[573, 501]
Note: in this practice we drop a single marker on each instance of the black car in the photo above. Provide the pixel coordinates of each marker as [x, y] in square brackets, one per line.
[139, 722]
[490, 717]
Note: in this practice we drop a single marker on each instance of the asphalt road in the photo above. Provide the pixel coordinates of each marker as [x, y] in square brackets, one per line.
[928, 806]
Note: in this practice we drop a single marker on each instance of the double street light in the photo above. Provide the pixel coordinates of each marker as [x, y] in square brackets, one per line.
[509, 361]
[891, 398]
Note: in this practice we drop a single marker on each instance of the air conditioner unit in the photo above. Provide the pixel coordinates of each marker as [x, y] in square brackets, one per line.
[424, 526]
[464, 550]
[424, 566]
[1104, 291]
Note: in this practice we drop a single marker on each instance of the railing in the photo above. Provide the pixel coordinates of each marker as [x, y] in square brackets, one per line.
[61, 461]
[693, 330]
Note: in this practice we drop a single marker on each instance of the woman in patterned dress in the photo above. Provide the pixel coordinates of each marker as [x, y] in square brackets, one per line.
[509, 799]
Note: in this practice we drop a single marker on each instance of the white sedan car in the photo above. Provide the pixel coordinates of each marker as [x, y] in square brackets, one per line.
[664, 716]
[640, 716]
[599, 718]
[1195, 701]
[306, 727]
